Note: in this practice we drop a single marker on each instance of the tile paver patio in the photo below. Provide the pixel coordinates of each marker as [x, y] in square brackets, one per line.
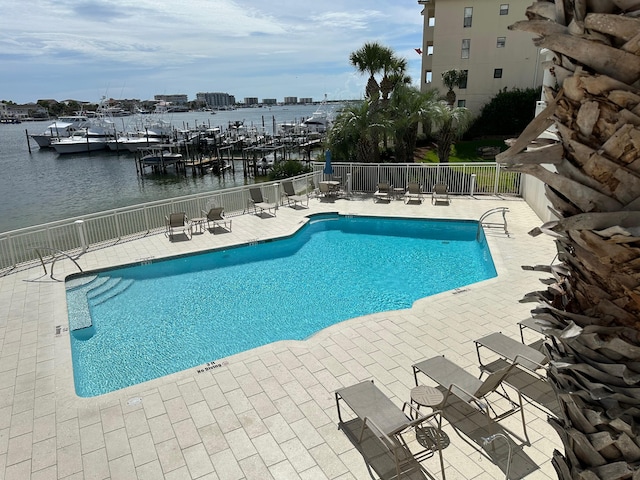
[268, 412]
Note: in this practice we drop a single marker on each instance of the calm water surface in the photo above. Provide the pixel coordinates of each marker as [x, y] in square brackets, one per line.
[42, 186]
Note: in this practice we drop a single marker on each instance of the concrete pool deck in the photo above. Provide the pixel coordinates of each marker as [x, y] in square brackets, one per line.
[268, 413]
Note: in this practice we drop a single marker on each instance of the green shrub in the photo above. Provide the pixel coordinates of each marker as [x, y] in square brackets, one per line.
[508, 113]
[287, 169]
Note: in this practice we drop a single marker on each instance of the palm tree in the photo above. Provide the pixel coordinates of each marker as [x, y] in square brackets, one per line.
[593, 303]
[371, 59]
[352, 135]
[452, 79]
[448, 124]
[407, 108]
[394, 69]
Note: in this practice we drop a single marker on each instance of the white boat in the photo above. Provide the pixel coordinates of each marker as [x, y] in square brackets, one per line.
[320, 120]
[88, 140]
[63, 127]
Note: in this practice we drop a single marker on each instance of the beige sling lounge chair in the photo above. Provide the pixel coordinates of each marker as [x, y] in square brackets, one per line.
[513, 351]
[383, 193]
[215, 218]
[440, 194]
[387, 421]
[257, 202]
[414, 193]
[468, 388]
[292, 197]
[175, 222]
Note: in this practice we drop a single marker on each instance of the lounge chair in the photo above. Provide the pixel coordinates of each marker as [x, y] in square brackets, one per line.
[414, 193]
[258, 202]
[387, 422]
[383, 193]
[215, 218]
[291, 196]
[440, 194]
[512, 351]
[177, 221]
[468, 387]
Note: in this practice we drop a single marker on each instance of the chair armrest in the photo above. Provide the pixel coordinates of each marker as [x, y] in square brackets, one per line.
[473, 397]
[421, 417]
[515, 360]
[381, 436]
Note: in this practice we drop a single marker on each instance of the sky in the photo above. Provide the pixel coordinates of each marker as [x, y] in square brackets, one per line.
[86, 49]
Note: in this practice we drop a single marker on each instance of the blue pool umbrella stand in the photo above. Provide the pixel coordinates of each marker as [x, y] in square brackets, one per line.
[328, 169]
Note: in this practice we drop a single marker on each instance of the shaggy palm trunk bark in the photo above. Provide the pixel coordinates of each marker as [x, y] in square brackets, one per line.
[591, 306]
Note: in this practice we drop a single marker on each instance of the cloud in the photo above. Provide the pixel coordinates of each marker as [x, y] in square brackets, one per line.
[245, 48]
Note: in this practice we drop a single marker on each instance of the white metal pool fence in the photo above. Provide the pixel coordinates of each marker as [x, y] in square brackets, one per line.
[75, 235]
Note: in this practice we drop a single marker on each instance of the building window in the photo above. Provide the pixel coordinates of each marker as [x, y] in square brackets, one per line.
[504, 9]
[428, 76]
[432, 21]
[429, 49]
[466, 46]
[463, 80]
[462, 103]
[468, 15]
[501, 42]
[497, 73]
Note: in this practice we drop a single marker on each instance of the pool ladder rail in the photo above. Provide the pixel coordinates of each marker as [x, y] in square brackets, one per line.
[483, 223]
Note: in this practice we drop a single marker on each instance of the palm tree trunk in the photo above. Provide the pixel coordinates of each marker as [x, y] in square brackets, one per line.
[592, 304]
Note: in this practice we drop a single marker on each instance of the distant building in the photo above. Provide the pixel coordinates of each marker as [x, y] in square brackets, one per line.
[251, 101]
[21, 112]
[306, 100]
[216, 99]
[178, 99]
[290, 100]
[269, 101]
[476, 39]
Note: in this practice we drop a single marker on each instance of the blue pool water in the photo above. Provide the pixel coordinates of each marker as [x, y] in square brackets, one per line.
[146, 321]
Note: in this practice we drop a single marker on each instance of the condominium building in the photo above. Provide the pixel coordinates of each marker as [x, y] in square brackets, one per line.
[216, 99]
[176, 99]
[473, 36]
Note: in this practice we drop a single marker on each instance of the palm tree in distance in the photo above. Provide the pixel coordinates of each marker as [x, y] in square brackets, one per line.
[453, 79]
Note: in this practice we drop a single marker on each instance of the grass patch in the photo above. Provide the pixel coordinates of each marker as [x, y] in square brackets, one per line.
[465, 152]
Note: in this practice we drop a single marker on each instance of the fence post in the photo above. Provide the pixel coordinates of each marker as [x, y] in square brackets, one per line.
[472, 187]
[80, 228]
[145, 214]
[497, 180]
[276, 199]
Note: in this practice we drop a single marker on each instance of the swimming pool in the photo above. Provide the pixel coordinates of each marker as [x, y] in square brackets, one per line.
[136, 323]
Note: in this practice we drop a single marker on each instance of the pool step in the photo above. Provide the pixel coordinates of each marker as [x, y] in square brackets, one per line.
[96, 291]
[103, 286]
[117, 288]
[77, 283]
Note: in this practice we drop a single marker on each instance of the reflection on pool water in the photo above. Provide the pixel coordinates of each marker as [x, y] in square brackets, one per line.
[132, 324]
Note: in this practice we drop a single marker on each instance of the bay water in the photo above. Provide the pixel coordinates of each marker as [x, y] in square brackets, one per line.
[43, 186]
